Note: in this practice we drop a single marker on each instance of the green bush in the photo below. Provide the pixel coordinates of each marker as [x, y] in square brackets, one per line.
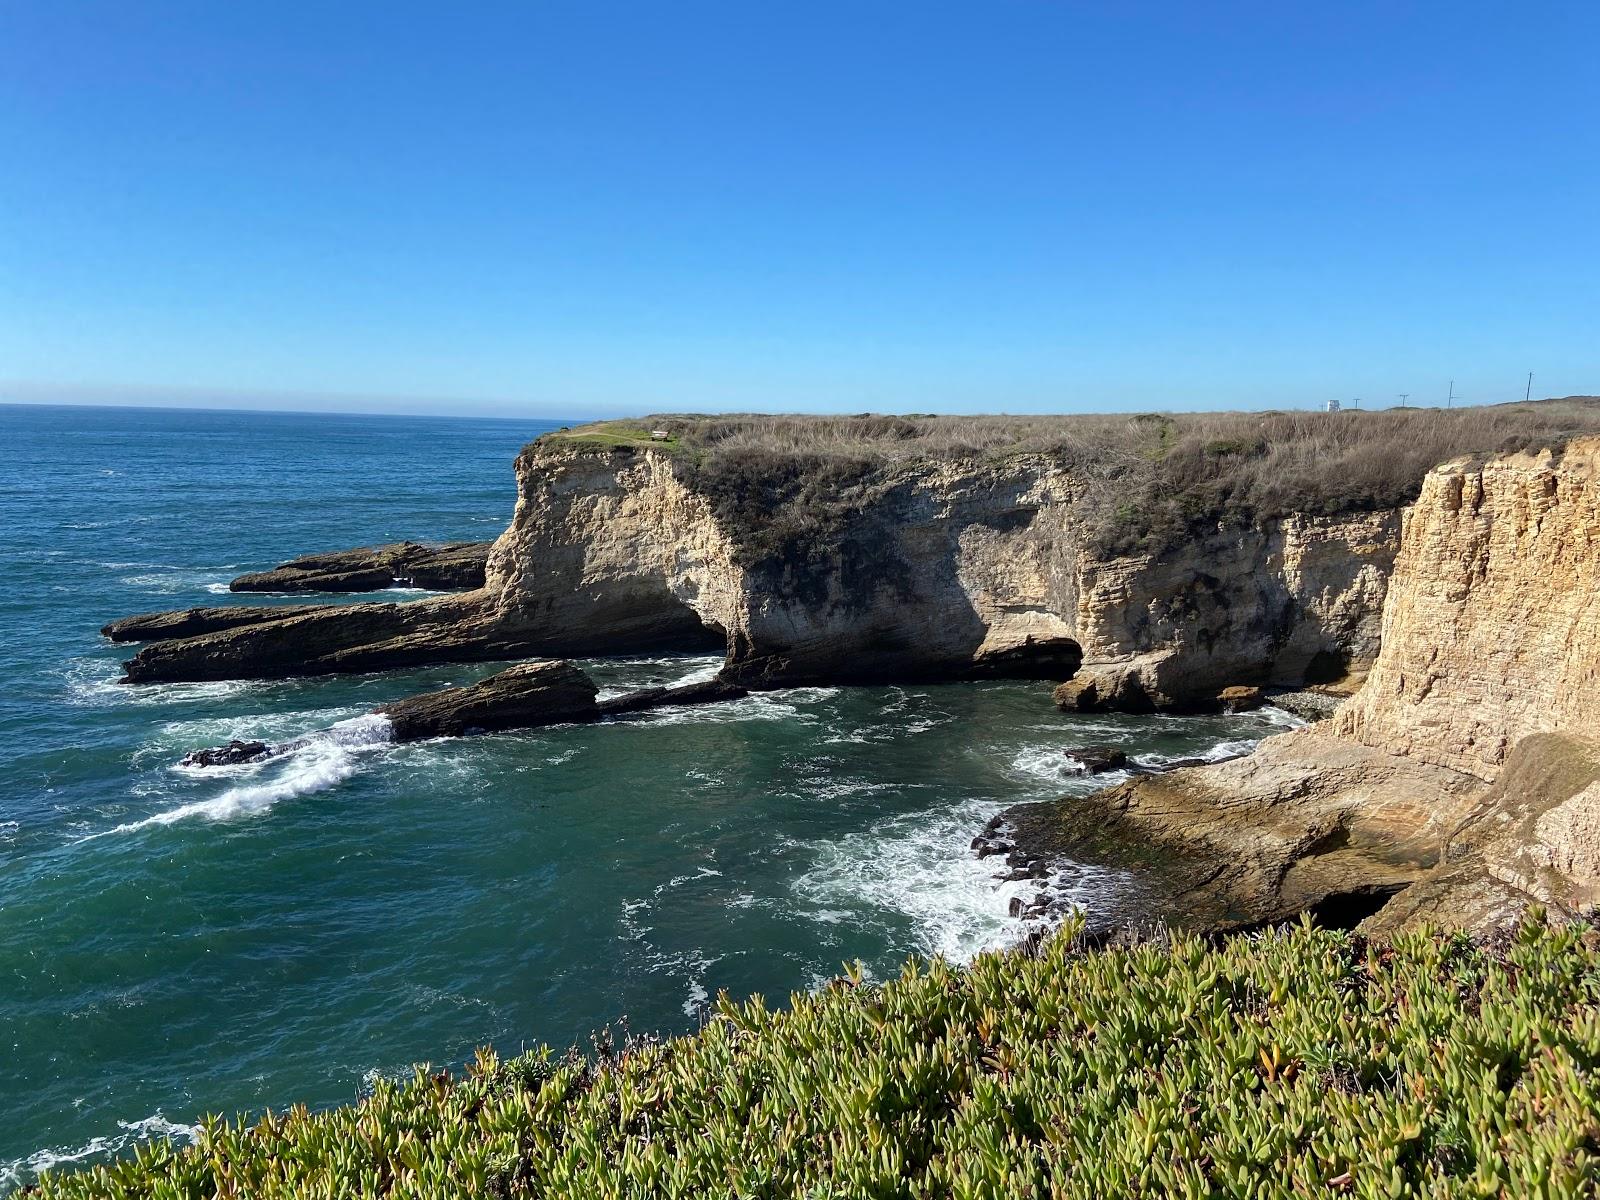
[1296, 1063]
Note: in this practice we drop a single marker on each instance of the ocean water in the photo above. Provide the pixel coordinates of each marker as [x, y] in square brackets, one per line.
[180, 942]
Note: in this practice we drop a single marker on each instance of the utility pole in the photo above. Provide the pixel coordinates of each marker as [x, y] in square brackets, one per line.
[1528, 391]
[1356, 403]
[1450, 400]
[1404, 396]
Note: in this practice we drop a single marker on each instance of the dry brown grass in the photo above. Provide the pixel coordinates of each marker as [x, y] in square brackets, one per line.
[1155, 478]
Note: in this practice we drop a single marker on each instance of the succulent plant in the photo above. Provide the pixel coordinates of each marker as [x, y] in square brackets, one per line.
[1288, 1063]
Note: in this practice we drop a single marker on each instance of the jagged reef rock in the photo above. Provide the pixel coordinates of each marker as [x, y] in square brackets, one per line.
[522, 697]
[453, 566]
[327, 639]
[1461, 779]
[236, 751]
[708, 691]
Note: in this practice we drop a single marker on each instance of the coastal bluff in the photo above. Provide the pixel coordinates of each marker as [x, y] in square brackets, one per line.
[1145, 561]
[1459, 785]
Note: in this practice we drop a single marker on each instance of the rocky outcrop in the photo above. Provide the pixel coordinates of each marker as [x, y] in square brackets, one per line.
[190, 622]
[947, 568]
[453, 566]
[1458, 785]
[524, 697]
[1495, 632]
[328, 639]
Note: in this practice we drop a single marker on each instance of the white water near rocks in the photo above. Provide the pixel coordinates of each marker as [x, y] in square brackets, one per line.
[179, 941]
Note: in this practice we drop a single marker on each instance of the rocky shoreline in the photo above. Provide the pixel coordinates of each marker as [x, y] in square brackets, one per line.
[1441, 652]
[525, 696]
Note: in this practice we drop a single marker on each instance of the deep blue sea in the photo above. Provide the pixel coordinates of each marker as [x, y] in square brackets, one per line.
[177, 942]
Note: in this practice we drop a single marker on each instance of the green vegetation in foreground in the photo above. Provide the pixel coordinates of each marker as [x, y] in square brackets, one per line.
[1296, 1063]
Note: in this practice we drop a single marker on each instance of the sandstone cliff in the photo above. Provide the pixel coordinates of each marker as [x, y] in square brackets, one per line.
[1461, 778]
[934, 568]
[943, 568]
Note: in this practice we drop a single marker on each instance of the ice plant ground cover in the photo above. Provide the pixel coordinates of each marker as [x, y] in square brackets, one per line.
[1288, 1063]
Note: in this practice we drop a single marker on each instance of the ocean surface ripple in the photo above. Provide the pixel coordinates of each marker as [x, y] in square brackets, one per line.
[177, 941]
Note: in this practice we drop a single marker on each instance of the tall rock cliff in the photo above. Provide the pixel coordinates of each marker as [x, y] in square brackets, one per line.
[806, 569]
[1462, 779]
[942, 568]
[1493, 631]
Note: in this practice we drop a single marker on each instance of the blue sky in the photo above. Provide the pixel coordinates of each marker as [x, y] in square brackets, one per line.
[581, 208]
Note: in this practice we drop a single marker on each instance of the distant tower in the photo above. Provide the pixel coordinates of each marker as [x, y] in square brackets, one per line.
[1333, 406]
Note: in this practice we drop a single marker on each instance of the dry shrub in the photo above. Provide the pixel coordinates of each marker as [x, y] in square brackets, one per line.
[1154, 479]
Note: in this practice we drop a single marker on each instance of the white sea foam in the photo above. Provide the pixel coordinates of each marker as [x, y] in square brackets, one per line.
[322, 761]
[21, 1171]
[267, 727]
[169, 581]
[1282, 717]
[1219, 752]
[921, 866]
[96, 683]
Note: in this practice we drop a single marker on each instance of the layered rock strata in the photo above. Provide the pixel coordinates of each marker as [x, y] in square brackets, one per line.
[453, 566]
[191, 622]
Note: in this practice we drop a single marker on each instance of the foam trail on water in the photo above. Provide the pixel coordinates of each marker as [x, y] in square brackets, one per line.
[21, 1171]
[321, 761]
[920, 866]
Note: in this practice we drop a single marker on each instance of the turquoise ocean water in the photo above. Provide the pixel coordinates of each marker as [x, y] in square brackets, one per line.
[176, 942]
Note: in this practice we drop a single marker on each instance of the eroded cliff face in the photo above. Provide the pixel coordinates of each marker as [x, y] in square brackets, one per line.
[1462, 779]
[1494, 629]
[612, 547]
[942, 569]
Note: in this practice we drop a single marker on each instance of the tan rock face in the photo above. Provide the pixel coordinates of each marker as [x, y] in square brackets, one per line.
[934, 568]
[1492, 631]
[1487, 671]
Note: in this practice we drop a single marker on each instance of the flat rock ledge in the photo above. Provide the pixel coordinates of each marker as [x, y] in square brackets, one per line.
[453, 566]
[191, 622]
[526, 696]
[523, 697]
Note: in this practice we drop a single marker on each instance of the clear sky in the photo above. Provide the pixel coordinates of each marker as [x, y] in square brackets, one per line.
[579, 208]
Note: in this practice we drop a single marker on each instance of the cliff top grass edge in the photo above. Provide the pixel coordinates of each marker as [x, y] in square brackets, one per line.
[1148, 481]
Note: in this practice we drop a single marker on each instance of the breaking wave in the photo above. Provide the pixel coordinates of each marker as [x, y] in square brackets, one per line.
[920, 866]
[21, 1171]
[320, 761]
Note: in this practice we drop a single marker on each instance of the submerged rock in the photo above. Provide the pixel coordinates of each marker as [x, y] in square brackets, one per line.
[709, 691]
[525, 696]
[454, 566]
[1096, 760]
[235, 751]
